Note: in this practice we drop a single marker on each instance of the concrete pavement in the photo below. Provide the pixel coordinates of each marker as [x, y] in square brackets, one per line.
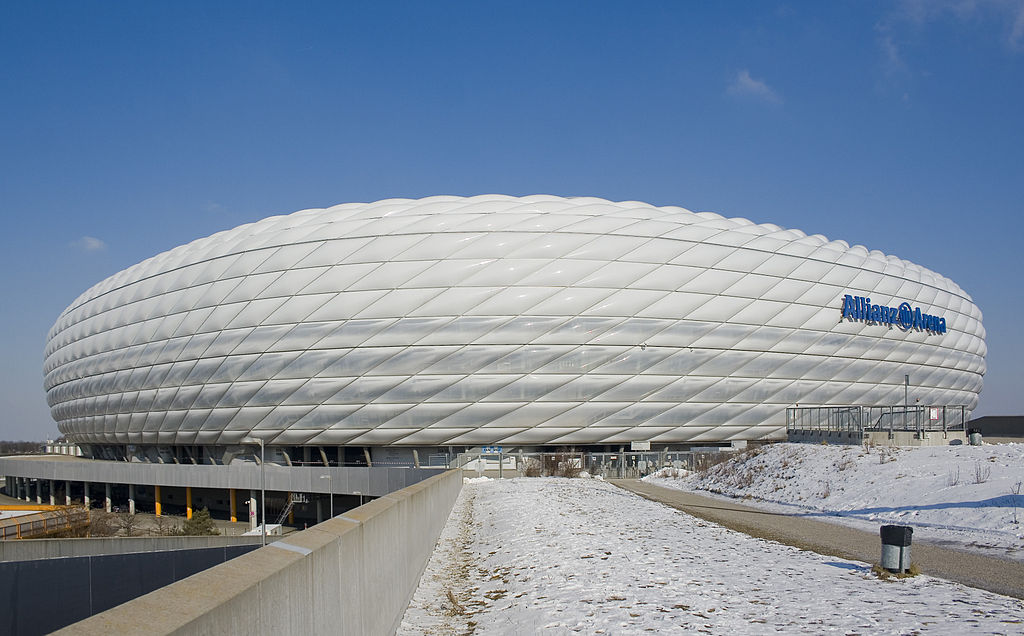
[976, 570]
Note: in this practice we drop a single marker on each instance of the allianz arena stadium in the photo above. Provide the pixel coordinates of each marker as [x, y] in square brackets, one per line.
[534, 321]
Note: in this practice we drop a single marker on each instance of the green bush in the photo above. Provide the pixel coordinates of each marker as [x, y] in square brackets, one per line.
[201, 524]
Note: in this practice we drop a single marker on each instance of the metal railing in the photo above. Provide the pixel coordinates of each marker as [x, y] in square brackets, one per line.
[44, 523]
[608, 465]
[854, 419]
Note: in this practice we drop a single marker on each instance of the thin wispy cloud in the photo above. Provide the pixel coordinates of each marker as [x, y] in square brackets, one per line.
[90, 244]
[892, 59]
[1005, 16]
[745, 86]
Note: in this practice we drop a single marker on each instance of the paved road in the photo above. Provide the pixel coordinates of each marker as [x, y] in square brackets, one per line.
[988, 573]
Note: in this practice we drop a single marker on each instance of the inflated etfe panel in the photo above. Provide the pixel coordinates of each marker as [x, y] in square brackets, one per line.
[496, 319]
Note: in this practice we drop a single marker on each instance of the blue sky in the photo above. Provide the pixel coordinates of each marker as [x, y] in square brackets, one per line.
[127, 129]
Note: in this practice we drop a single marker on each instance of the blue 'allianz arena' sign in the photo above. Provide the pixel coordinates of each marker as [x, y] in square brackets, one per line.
[904, 317]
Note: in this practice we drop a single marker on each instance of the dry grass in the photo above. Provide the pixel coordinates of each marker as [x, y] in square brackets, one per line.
[885, 575]
[454, 607]
[981, 473]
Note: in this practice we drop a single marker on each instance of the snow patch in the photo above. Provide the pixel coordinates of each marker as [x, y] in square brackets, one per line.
[521, 556]
[968, 495]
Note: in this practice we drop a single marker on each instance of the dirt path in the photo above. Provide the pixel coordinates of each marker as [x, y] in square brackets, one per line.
[988, 573]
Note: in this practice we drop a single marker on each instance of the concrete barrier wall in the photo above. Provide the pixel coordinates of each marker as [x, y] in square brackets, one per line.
[31, 549]
[374, 481]
[352, 575]
[46, 594]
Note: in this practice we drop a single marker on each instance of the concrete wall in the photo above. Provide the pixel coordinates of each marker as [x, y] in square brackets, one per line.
[32, 549]
[46, 594]
[353, 575]
[374, 481]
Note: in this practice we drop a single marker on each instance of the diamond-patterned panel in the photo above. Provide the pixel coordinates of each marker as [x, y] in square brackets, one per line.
[496, 319]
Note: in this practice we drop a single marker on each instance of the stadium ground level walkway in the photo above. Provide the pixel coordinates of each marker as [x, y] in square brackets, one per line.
[1002, 576]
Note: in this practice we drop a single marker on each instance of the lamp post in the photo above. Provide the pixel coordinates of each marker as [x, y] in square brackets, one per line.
[263, 484]
[330, 485]
[906, 401]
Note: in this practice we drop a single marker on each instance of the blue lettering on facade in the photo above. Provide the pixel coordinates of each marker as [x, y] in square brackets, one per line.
[859, 308]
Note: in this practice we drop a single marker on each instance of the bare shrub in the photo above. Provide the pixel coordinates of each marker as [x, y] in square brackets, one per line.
[166, 527]
[844, 463]
[953, 479]
[568, 465]
[127, 524]
[704, 463]
[826, 490]
[101, 524]
[531, 468]
[735, 470]
[981, 473]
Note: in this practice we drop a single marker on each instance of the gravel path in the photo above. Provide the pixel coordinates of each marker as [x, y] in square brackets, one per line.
[992, 574]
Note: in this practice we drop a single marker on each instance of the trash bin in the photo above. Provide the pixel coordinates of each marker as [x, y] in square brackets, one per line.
[974, 436]
[896, 548]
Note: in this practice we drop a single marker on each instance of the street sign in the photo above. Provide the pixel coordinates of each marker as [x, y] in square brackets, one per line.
[491, 450]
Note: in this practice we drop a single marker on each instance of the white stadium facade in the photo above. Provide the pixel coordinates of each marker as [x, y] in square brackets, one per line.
[527, 322]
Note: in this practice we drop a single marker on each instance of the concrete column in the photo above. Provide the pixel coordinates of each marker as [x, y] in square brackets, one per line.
[156, 497]
[234, 507]
[319, 511]
[67, 493]
[188, 502]
[39, 491]
[53, 493]
[131, 499]
[85, 496]
[252, 510]
[106, 497]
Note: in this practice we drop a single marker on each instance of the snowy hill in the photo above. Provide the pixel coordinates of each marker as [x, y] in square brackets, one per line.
[960, 494]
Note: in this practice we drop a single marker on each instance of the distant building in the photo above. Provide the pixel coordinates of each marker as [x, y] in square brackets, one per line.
[62, 448]
[999, 425]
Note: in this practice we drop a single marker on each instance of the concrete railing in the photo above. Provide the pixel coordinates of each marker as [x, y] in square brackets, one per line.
[32, 549]
[353, 574]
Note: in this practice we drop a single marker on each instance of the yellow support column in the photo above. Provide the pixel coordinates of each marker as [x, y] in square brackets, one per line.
[188, 502]
[234, 508]
[156, 496]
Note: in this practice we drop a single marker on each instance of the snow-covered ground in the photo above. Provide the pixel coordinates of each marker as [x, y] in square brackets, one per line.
[553, 555]
[963, 495]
